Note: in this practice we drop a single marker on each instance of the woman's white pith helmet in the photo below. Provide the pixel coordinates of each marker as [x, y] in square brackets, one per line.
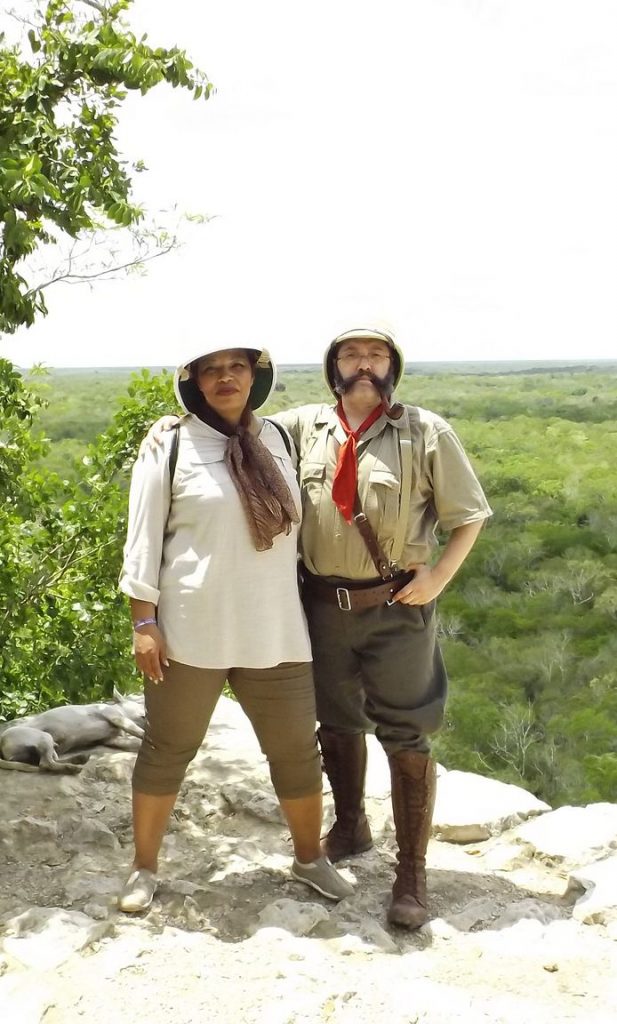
[361, 334]
[191, 398]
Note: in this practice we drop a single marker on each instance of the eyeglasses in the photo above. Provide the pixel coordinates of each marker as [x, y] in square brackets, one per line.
[352, 359]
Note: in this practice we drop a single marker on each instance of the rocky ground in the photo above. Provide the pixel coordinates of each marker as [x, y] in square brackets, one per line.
[523, 905]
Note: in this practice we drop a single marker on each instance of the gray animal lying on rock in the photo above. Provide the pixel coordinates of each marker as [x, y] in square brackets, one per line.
[41, 742]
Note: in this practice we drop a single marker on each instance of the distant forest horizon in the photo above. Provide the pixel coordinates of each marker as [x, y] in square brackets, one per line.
[420, 368]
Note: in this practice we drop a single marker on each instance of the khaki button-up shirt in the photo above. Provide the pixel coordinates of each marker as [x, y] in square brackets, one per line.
[445, 491]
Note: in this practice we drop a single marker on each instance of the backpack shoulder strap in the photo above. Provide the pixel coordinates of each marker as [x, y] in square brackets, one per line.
[283, 433]
[173, 452]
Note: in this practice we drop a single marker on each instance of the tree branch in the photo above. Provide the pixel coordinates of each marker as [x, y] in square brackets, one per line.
[94, 3]
[74, 278]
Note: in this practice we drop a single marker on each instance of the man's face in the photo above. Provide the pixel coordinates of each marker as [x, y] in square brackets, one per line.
[363, 364]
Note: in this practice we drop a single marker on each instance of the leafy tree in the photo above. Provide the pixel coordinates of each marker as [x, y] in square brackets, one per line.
[601, 770]
[60, 172]
[64, 629]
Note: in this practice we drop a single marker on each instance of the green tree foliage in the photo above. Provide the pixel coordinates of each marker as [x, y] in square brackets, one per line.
[60, 172]
[534, 607]
[64, 630]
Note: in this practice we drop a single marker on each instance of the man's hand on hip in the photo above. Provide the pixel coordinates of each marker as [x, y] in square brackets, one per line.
[424, 587]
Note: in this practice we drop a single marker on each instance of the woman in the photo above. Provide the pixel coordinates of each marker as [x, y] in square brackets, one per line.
[210, 570]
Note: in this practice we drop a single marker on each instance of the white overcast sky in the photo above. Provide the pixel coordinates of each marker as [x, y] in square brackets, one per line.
[447, 165]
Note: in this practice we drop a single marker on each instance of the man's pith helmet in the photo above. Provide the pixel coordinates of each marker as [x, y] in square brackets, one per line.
[362, 334]
[191, 398]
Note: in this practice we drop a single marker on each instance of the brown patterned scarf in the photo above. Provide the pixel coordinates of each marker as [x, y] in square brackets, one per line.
[266, 499]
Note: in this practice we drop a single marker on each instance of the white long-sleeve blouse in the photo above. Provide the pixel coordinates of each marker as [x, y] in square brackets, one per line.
[220, 603]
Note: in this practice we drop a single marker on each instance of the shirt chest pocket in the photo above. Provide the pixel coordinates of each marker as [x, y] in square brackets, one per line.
[201, 475]
[312, 480]
[381, 502]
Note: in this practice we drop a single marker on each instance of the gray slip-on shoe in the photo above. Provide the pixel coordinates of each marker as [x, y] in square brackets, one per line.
[138, 891]
[322, 876]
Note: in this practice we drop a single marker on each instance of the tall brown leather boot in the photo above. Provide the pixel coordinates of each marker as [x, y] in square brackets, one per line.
[344, 761]
[414, 784]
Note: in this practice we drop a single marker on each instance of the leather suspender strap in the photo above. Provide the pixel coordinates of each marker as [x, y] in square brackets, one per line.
[385, 569]
[403, 510]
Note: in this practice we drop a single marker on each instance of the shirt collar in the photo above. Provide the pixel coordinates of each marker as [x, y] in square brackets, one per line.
[329, 416]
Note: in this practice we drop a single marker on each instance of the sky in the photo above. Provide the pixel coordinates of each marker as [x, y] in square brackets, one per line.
[448, 166]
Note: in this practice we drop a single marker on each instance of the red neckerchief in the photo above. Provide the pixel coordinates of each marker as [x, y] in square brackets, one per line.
[345, 482]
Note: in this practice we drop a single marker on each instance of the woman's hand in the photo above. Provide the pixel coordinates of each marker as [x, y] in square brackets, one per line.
[150, 652]
[154, 437]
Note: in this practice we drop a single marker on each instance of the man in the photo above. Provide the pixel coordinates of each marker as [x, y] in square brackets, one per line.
[369, 595]
[377, 663]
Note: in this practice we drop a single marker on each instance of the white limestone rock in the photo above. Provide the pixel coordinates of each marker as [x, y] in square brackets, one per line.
[87, 832]
[110, 768]
[476, 912]
[260, 803]
[502, 856]
[23, 999]
[528, 910]
[89, 882]
[439, 928]
[202, 952]
[470, 808]
[97, 911]
[598, 904]
[374, 935]
[378, 780]
[294, 917]
[45, 937]
[572, 836]
[34, 839]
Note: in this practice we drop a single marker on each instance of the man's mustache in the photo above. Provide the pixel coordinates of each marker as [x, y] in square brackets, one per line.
[345, 385]
[382, 384]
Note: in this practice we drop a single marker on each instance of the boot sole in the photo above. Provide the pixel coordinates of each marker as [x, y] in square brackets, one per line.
[411, 926]
[411, 919]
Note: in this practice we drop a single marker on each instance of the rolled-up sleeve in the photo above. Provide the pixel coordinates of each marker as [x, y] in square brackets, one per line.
[149, 499]
[457, 492]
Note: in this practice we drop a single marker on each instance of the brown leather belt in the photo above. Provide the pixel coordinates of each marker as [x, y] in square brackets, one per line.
[355, 597]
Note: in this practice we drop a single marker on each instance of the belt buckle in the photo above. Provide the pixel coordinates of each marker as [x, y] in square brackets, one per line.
[343, 594]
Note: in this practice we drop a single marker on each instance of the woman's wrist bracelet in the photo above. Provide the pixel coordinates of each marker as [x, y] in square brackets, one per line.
[144, 622]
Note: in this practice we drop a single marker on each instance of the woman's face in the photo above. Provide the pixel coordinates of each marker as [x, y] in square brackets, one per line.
[225, 379]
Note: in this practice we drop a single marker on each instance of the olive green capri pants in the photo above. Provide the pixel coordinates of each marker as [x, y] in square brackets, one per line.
[279, 702]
